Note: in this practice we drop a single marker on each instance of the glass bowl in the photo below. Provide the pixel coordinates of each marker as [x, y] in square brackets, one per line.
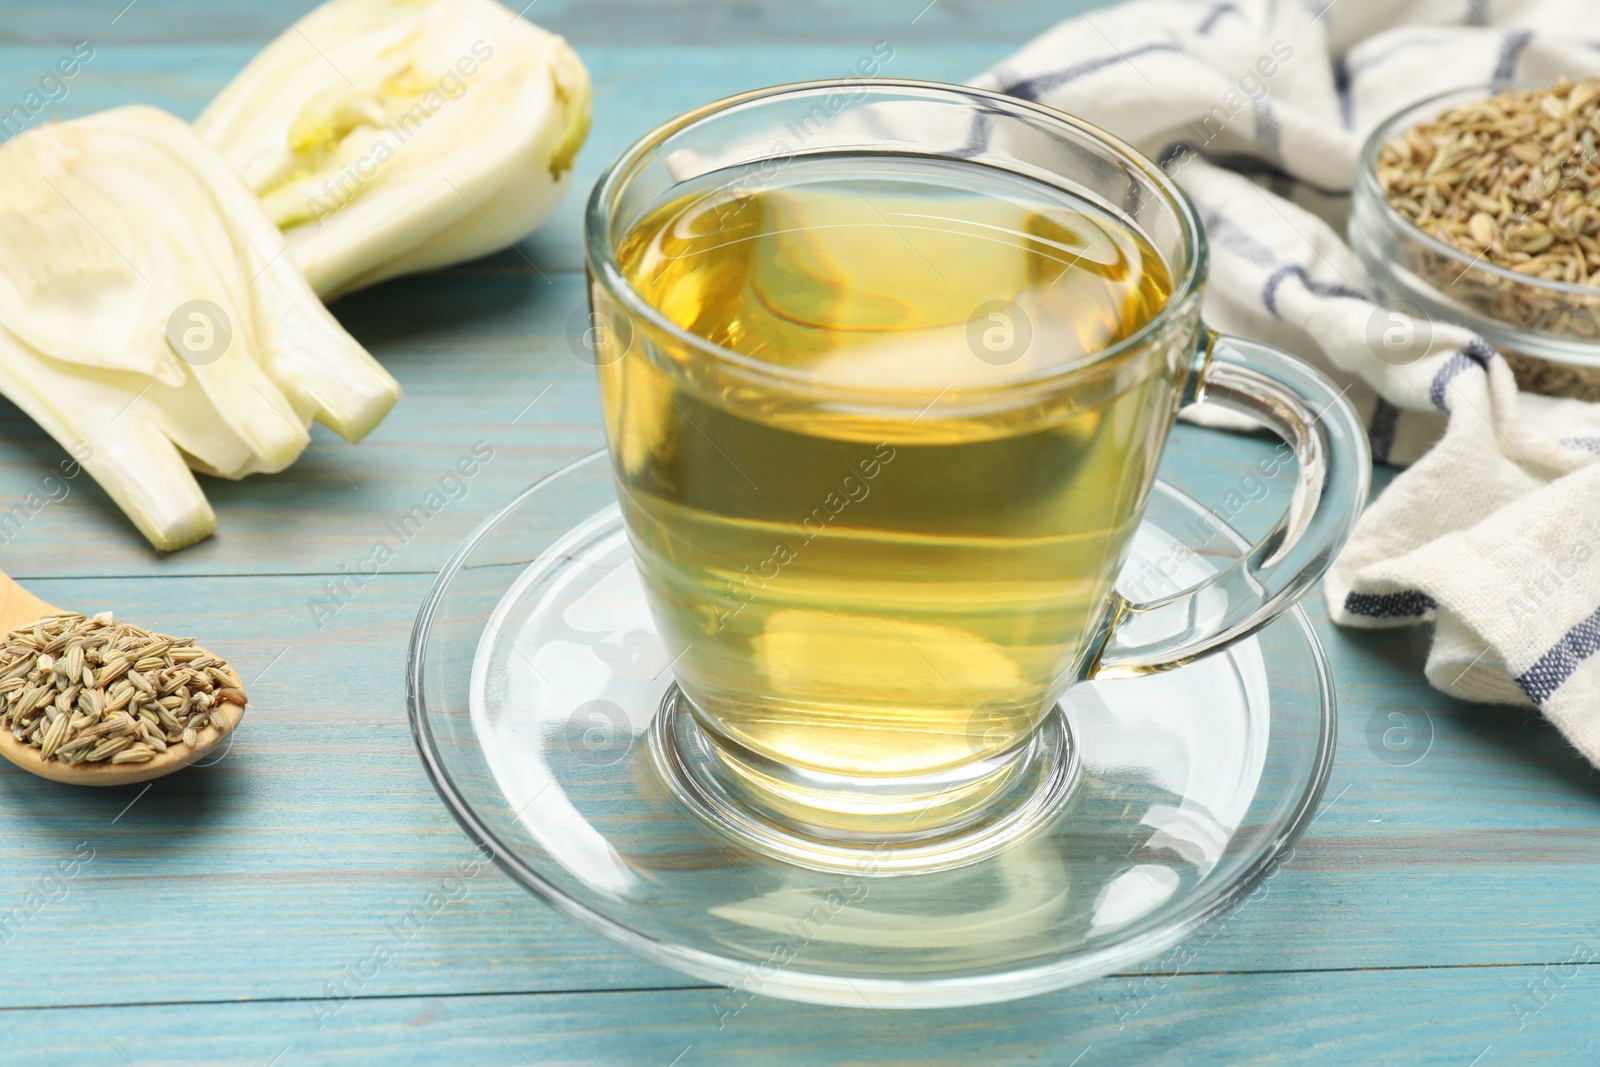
[1548, 331]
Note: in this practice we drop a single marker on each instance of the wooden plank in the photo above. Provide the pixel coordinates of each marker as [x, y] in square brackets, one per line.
[1477, 1016]
[285, 863]
[170, 23]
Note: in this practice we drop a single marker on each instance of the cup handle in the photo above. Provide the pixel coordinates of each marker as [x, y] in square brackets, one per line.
[1303, 407]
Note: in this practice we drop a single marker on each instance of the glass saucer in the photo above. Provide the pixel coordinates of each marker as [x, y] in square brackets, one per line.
[535, 676]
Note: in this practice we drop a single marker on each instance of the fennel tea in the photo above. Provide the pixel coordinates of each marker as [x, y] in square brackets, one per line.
[881, 535]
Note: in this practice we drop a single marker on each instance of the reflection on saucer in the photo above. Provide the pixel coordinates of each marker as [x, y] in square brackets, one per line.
[1026, 887]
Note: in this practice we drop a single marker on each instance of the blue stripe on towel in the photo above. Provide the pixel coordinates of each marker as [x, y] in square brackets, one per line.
[1236, 239]
[1341, 86]
[978, 143]
[1447, 374]
[1554, 667]
[1510, 52]
[1210, 21]
[1032, 88]
[1269, 135]
[1410, 604]
[1380, 431]
[1252, 167]
[1423, 39]
[1269, 294]
[1241, 163]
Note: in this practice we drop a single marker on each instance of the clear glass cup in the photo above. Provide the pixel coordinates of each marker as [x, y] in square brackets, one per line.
[809, 732]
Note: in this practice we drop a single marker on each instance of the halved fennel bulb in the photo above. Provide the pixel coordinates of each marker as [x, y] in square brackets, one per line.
[392, 136]
[151, 320]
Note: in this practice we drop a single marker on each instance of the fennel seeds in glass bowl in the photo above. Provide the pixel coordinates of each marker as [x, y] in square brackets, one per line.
[1483, 208]
[87, 690]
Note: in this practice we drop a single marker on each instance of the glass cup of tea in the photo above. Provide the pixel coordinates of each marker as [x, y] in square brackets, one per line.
[887, 369]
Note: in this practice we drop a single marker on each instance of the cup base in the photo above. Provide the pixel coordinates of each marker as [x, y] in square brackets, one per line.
[827, 822]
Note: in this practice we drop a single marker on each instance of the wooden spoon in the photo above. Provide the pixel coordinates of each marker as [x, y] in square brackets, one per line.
[20, 608]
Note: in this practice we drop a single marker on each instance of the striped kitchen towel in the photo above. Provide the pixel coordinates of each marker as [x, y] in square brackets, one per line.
[1259, 108]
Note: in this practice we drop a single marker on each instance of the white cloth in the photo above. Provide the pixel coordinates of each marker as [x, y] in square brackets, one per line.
[1493, 530]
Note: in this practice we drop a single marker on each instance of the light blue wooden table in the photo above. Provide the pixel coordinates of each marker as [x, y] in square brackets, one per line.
[1442, 911]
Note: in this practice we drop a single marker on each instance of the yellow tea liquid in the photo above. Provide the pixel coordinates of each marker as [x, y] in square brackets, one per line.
[884, 543]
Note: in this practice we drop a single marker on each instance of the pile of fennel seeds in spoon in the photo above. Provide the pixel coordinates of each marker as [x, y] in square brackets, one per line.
[87, 690]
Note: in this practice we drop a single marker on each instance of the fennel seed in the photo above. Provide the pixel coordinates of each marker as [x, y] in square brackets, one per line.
[90, 690]
[1511, 181]
[1514, 178]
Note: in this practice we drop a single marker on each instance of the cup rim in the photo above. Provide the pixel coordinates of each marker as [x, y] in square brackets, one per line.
[603, 267]
[1367, 183]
